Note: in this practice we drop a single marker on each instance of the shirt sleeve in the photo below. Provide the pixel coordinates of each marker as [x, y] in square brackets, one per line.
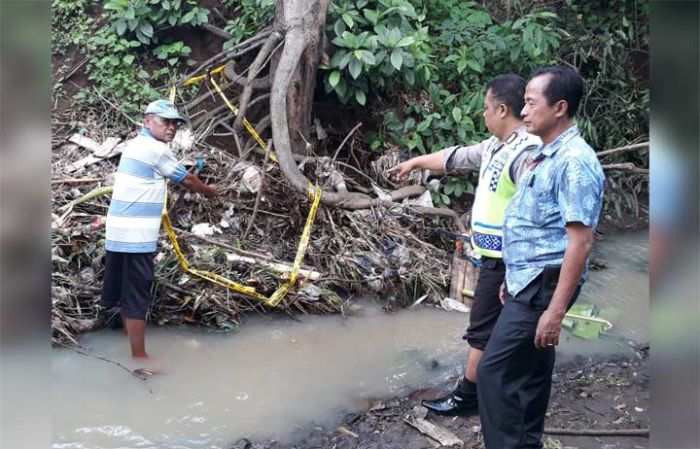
[169, 167]
[579, 193]
[464, 157]
[520, 165]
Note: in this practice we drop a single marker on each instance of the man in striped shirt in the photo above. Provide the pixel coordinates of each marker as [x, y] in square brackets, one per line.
[134, 216]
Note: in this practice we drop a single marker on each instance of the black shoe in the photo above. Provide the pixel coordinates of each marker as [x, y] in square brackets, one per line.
[461, 402]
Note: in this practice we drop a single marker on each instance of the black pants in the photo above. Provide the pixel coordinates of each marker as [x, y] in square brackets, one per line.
[515, 377]
[127, 283]
[487, 305]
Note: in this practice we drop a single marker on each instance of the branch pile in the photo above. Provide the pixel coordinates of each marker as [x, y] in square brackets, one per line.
[249, 234]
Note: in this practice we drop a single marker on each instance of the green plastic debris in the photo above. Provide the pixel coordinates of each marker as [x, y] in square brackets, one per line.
[584, 321]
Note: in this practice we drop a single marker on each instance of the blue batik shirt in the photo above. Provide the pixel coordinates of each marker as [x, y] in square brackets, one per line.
[564, 184]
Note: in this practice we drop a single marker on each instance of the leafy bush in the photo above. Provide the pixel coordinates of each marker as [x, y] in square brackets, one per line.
[425, 62]
[250, 17]
[114, 71]
[142, 19]
[604, 44]
[381, 44]
[608, 42]
[435, 56]
[69, 24]
[126, 53]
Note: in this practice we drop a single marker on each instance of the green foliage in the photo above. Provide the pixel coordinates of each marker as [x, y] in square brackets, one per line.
[424, 64]
[172, 52]
[250, 17]
[608, 42]
[69, 23]
[125, 50]
[142, 19]
[435, 56]
[380, 44]
[114, 71]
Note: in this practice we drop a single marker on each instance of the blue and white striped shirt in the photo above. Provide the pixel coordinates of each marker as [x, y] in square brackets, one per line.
[133, 219]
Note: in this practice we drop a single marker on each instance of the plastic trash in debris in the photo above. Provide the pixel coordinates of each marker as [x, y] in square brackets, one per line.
[203, 229]
[434, 185]
[311, 291]
[252, 179]
[183, 140]
[583, 321]
[375, 284]
[425, 200]
[381, 194]
[396, 252]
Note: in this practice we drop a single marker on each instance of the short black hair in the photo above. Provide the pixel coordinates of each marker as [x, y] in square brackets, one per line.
[510, 91]
[565, 84]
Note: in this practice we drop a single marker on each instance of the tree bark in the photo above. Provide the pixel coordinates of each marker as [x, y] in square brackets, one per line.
[253, 72]
[310, 15]
[302, 20]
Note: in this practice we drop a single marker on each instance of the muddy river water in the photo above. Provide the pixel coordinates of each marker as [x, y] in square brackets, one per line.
[277, 375]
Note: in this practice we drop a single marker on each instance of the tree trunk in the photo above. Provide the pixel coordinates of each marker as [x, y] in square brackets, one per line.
[302, 22]
[300, 94]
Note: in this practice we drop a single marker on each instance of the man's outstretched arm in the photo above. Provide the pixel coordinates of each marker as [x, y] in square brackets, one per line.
[433, 162]
[466, 157]
[194, 184]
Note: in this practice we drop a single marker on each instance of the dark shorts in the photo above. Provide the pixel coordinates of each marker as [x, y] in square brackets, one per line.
[487, 306]
[127, 283]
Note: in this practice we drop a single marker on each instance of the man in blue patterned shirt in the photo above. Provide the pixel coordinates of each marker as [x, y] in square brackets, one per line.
[548, 234]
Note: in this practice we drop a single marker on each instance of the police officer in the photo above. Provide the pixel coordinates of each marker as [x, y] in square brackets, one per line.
[499, 161]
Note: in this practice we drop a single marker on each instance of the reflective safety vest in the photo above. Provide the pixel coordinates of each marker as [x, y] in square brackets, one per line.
[494, 191]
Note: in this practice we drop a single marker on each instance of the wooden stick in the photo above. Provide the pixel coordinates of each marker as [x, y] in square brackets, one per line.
[251, 221]
[130, 371]
[216, 31]
[621, 149]
[233, 52]
[599, 432]
[251, 257]
[441, 212]
[72, 72]
[75, 181]
[348, 432]
[345, 140]
[629, 166]
[437, 433]
[253, 72]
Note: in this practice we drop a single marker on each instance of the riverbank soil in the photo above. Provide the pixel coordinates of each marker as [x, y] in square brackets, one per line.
[587, 394]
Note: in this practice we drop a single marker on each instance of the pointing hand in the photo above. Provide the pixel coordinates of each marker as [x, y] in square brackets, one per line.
[401, 171]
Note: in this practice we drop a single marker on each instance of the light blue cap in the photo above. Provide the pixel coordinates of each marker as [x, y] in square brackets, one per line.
[165, 109]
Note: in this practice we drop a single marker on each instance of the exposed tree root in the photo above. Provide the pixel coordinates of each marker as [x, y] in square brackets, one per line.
[253, 71]
[257, 84]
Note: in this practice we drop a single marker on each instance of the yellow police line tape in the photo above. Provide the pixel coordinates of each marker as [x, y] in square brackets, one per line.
[279, 294]
[246, 123]
[314, 194]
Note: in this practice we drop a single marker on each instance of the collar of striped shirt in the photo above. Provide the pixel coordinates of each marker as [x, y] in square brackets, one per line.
[146, 133]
